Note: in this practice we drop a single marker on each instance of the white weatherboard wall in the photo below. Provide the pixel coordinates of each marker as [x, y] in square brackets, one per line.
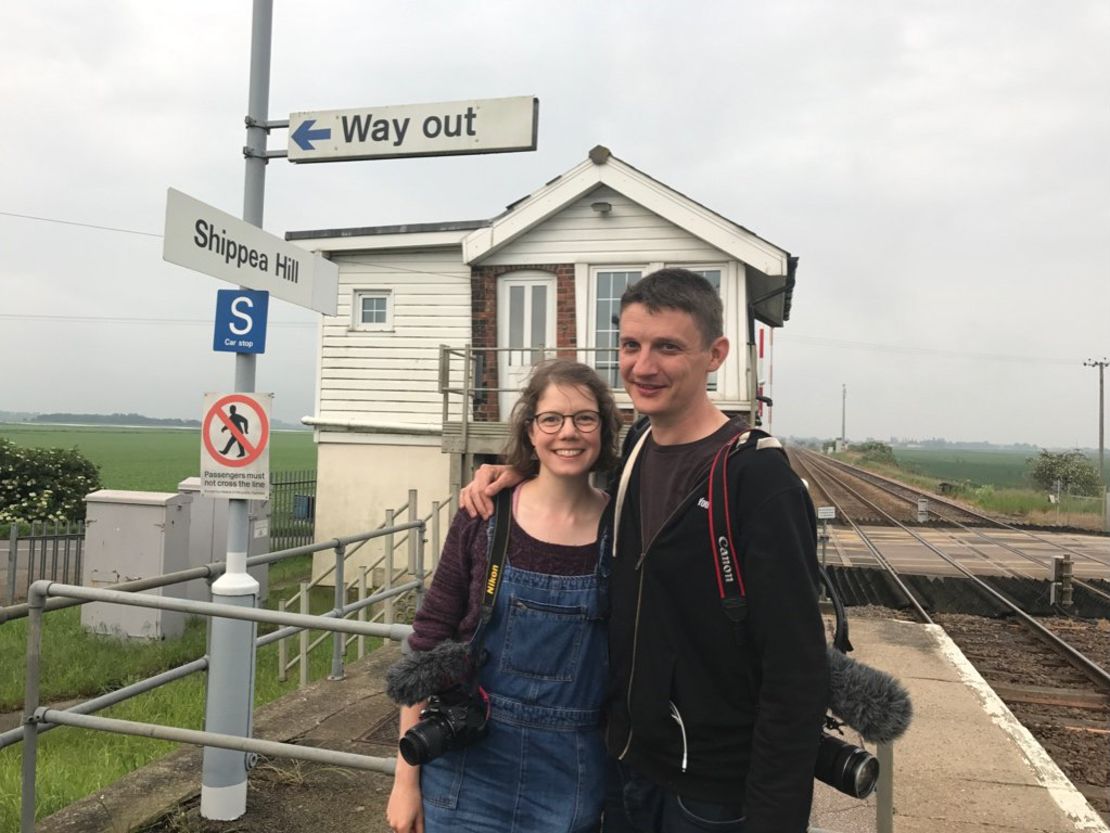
[629, 233]
[391, 376]
[385, 376]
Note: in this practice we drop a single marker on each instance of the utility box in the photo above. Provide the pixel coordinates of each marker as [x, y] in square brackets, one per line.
[208, 535]
[134, 535]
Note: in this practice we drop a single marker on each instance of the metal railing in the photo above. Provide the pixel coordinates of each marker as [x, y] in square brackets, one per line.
[389, 591]
[45, 596]
[53, 550]
[292, 508]
[464, 370]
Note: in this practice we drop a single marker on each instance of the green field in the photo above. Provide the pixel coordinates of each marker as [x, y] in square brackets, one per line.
[980, 468]
[151, 459]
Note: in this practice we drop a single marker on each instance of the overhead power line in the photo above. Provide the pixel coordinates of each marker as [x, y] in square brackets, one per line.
[133, 319]
[75, 223]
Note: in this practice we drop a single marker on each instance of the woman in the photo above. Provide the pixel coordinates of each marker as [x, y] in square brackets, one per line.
[543, 651]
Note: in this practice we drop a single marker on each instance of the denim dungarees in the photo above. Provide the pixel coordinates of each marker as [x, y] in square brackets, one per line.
[541, 769]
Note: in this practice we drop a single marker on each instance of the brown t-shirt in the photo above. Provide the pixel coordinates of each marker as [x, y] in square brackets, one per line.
[668, 473]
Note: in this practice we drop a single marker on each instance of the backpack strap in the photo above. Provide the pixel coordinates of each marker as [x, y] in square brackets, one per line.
[622, 486]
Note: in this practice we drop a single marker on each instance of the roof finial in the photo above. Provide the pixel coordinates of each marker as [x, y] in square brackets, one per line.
[600, 154]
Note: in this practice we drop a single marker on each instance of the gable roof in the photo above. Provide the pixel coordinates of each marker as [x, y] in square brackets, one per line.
[771, 268]
[602, 168]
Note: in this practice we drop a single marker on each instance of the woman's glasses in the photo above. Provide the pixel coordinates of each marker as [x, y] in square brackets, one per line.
[551, 422]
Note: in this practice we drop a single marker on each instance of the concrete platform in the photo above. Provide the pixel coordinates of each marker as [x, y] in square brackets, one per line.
[965, 765]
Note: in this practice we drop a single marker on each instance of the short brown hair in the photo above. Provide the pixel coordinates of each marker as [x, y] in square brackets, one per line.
[519, 450]
[680, 289]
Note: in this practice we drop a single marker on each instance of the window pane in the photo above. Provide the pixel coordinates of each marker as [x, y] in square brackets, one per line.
[373, 309]
[516, 316]
[714, 277]
[711, 275]
[610, 286]
[539, 316]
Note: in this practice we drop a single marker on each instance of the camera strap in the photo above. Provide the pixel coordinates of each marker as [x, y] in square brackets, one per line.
[495, 565]
[730, 579]
[726, 560]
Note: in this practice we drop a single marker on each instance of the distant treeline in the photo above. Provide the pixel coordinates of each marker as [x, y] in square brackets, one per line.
[116, 419]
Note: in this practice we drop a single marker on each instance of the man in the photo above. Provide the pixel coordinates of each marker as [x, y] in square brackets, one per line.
[240, 423]
[711, 723]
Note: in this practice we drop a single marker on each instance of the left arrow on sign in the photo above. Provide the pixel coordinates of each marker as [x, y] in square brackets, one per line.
[304, 135]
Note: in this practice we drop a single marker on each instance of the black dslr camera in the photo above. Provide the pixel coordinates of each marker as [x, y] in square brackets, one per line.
[452, 719]
[846, 767]
[870, 701]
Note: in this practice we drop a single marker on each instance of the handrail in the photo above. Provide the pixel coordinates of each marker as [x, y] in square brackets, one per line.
[378, 532]
[212, 571]
[35, 717]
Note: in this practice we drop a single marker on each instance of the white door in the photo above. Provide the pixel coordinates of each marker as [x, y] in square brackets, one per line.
[526, 324]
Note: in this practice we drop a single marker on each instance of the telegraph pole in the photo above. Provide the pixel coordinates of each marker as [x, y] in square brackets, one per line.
[844, 414]
[1101, 365]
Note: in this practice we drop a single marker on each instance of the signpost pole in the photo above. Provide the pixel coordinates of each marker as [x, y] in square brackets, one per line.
[228, 708]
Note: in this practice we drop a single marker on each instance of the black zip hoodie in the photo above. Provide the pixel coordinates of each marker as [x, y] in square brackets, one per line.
[708, 709]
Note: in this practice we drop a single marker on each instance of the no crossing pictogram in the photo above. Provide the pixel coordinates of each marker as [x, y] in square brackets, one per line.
[245, 422]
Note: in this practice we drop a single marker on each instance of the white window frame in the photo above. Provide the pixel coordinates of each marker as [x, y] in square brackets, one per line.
[731, 376]
[729, 387]
[589, 320]
[356, 311]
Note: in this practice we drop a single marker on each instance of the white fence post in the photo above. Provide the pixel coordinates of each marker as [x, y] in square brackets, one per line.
[305, 608]
[283, 650]
[387, 584]
[361, 610]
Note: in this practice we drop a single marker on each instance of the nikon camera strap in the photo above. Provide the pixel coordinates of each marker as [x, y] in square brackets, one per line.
[495, 565]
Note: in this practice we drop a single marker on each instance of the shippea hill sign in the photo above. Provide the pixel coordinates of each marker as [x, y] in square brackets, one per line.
[208, 240]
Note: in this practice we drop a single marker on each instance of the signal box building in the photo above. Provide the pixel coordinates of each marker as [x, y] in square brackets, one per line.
[439, 324]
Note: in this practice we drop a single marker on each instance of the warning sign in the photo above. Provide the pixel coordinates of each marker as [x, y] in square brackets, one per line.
[235, 445]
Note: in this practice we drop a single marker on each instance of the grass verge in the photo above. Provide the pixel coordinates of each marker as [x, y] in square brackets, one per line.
[1027, 505]
[74, 763]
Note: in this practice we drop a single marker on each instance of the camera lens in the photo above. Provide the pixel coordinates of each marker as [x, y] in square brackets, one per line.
[848, 768]
[424, 741]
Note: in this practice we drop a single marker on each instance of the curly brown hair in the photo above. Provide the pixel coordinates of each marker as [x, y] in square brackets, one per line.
[519, 449]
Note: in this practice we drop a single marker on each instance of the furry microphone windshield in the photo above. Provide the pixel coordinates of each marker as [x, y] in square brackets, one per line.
[870, 701]
[417, 676]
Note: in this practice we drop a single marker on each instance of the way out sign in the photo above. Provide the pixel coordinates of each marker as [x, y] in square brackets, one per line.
[235, 445]
[490, 125]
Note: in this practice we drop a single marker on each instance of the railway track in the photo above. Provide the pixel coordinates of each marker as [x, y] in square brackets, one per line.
[961, 517]
[1051, 674]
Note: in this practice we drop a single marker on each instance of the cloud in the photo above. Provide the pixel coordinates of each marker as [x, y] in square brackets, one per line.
[938, 166]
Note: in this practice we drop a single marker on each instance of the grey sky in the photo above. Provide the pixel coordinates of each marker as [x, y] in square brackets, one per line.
[939, 167]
